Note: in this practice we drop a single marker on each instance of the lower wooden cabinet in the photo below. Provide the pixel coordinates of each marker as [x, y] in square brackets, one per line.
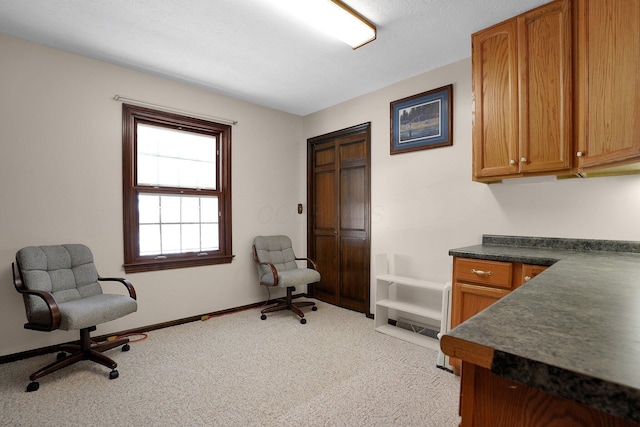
[479, 283]
[487, 400]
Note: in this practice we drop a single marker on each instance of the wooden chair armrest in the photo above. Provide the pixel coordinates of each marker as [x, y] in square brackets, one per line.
[309, 260]
[274, 271]
[54, 310]
[125, 282]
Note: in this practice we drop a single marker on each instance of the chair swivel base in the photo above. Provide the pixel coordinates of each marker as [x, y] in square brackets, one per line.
[288, 304]
[85, 351]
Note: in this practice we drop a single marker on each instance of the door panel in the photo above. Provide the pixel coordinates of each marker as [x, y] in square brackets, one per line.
[354, 255]
[325, 157]
[324, 203]
[324, 253]
[354, 149]
[352, 199]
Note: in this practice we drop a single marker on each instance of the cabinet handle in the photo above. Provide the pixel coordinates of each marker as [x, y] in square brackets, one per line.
[481, 272]
[580, 154]
[523, 159]
[527, 278]
[512, 162]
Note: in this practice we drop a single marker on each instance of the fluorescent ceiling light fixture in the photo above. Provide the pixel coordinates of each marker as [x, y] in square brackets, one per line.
[334, 18]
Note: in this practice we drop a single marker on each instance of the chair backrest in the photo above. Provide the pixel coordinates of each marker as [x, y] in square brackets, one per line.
[276, 250]
[65, 271]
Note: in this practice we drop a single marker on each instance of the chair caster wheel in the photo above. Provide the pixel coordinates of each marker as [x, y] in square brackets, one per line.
[314, 308]
[61, 355]
[126, 347]
[303, 320]
[33, 386]
[113, 374]
[263, 317]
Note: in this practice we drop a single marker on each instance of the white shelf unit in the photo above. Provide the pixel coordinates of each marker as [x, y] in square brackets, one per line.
[385, 279]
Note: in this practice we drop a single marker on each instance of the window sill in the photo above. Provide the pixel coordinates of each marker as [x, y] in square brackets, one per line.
[168, 264]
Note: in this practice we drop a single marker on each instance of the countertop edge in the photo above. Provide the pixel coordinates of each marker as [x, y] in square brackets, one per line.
[526, 259]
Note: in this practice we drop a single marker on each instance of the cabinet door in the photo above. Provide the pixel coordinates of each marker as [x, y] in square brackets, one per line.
[495, 89]
[609, 82]
[470, 300]
[529, 272]
[546, 88]
[467, 301]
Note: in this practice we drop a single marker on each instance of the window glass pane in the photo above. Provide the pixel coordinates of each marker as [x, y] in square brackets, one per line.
[191, 209]
[190, 237]
[167, 173]
[150, 239]
[188, 174]
[170, 238]
[209, 209]
[183, 159]
[209, 237]
[147, 143]
[206, 175]
[149, 209]
[147, 168]
[170, 209]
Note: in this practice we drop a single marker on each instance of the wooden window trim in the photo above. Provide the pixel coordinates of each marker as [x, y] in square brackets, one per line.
[133, 262]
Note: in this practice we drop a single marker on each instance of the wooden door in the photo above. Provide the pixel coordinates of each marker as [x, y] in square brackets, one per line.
[339, 216]
[495, 100]
[609, 76]
[545, 54]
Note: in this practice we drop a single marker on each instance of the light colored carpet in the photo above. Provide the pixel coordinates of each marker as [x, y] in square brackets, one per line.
[237, 370]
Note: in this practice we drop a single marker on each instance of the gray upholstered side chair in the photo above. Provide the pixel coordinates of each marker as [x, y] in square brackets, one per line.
[277, 266]
[61, 290]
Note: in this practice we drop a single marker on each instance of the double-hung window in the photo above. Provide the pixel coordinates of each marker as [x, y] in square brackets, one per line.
[177, 190]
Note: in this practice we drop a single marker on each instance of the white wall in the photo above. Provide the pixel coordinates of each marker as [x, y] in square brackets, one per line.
[425, 203]
[60, 173]
[61, 168]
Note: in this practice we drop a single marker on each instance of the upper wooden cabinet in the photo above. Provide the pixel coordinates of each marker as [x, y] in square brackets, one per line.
[557, 91]
[609, 83]
[523, 94]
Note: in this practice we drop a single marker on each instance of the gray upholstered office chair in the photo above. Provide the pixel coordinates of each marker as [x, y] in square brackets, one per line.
[60, 288]
[277, 266]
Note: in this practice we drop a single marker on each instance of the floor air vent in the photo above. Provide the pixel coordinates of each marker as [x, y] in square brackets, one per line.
[420, 328]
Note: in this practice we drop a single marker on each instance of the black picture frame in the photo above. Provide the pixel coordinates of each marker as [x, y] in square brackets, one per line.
[422, 121]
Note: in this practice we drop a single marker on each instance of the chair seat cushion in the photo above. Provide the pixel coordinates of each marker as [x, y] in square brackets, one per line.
[94, 310]
[286, 278]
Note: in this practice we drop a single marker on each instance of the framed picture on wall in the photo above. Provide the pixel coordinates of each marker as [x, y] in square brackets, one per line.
[422, 121]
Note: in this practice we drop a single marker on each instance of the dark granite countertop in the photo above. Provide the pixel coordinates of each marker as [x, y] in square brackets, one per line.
[573, 330]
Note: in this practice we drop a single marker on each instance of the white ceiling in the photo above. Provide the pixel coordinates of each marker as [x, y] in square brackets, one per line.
[252, 50]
